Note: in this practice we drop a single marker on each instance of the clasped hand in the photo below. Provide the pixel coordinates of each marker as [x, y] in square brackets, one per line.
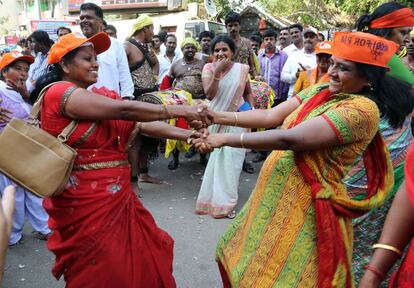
[199, 116]
[203, 141]
[4, 114]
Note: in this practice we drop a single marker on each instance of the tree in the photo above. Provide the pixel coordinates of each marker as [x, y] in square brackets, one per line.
[325, 13]
[317, 13]
[225, 6]
[359, 7]
[408, 3]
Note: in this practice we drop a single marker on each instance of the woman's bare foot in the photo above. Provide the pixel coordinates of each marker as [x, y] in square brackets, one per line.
[146, 178]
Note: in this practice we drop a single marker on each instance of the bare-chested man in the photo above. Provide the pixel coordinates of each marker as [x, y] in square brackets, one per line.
[143, 65]
[186, 74]
[244, 55]
[244, 52]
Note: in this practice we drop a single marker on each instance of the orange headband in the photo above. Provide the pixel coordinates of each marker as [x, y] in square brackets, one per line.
[399, 18]
[363, 48]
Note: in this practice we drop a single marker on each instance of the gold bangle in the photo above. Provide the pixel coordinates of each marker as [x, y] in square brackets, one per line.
[241, 140]
[236, 120]
[216, 78]
[387, 247]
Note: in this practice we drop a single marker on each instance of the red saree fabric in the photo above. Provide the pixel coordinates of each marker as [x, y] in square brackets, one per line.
[404, 277]
[102, 234]
[409, 173]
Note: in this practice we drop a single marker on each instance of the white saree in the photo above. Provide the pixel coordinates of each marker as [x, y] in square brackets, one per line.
[219, 189]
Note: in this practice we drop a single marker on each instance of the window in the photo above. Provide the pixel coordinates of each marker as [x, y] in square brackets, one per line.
[217, 28]
[194, 29]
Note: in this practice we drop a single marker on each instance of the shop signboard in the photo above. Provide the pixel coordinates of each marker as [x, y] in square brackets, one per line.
[50, 26]
[74, 5]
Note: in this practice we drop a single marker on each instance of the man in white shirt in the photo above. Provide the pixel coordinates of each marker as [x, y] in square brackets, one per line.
[41, 44]
[166, 58]
[300, 60]
[295, 32]
[284, 39]
[113, 70]
[205, 37]
[163, 39]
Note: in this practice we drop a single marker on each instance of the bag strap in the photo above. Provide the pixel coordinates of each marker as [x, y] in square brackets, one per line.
[65, 134]
[38, 104]
[34, 115]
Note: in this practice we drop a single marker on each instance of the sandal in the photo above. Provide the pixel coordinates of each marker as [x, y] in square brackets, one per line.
[248, 168]
[173, 165]
[18, 243]
[203, 160]
[260, 157]
[232, 214]
[41, 236]
[190, 153]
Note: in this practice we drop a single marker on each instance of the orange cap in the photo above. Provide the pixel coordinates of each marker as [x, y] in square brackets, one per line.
[9, 58]
[363, 48]
[101, 42]
[325, 47]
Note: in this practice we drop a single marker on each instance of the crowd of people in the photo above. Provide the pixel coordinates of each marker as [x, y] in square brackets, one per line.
[332, 210]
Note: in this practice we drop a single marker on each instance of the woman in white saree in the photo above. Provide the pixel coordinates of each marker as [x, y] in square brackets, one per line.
[227, 85]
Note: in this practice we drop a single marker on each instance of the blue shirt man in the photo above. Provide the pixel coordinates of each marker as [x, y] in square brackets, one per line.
[271, 62]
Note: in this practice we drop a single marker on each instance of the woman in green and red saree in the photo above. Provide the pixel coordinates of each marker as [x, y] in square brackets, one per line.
[296, 228]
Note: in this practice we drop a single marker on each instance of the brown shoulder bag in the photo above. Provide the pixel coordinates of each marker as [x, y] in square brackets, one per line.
[33, 158]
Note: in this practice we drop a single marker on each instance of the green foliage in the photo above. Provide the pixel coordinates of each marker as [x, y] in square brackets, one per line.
[317, 13]
[225, 6]
[321, 14]
[356, 7]
[408, 3]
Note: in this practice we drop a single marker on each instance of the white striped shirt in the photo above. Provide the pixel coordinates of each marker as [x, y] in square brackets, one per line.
[39, 67]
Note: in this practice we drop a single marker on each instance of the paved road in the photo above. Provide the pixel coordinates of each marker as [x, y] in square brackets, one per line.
[172, 205]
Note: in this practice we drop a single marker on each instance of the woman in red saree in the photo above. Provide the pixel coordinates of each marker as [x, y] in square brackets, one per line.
[102, 234]
[397, 233]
